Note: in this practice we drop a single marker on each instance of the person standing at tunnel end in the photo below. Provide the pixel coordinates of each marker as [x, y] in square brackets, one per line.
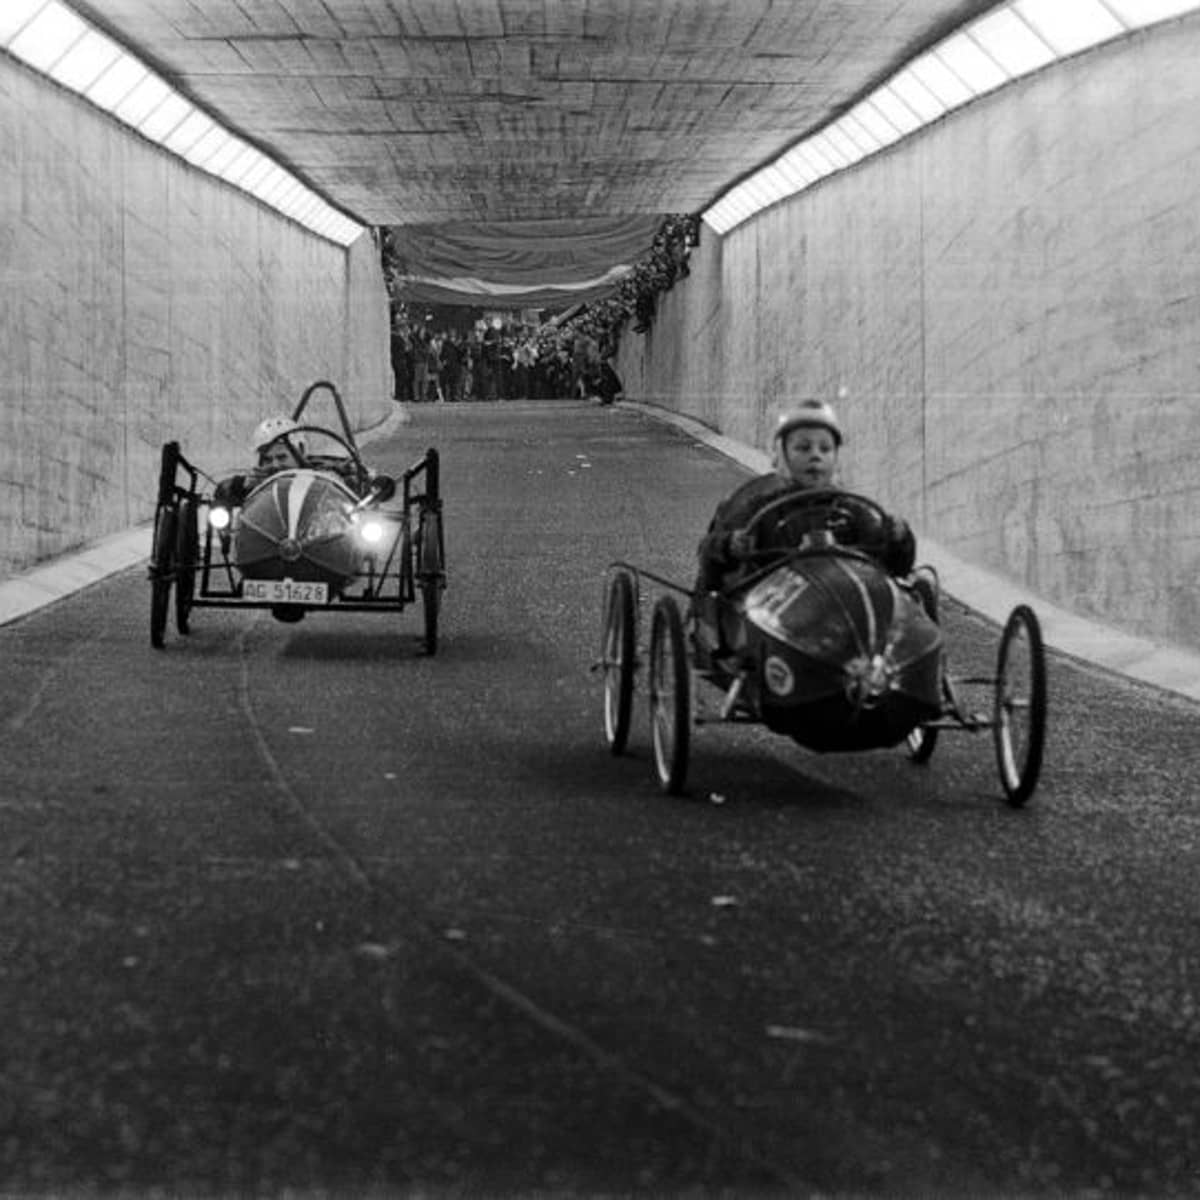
[806, 446]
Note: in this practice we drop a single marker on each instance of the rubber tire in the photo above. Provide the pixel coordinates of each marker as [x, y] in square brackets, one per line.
[1020, 779]
[670, 697]
[617, 660]
[187, 555]
[162, 566]
[429, 575]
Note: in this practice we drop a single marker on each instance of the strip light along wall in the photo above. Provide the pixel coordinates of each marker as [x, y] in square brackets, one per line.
[1010, 41]
[52, 39]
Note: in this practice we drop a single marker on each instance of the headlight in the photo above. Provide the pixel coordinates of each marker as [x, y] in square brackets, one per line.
[371, 531]
[218, 517]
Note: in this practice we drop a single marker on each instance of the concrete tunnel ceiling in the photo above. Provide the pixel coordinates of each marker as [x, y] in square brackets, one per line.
[593, 114]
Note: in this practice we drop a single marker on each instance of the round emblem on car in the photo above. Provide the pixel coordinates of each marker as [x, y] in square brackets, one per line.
[289, 549]
[778, 676]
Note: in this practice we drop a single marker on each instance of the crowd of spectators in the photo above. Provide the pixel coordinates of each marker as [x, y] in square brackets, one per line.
[507, 358]
[492, 360]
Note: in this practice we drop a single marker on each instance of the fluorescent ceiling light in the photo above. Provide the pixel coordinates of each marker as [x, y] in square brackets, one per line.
[222, 157]
[292, 199]
[843, 143]
[45, 39]
[1138, 13]
[142, 101]
[858, 133]
[795, 170]
[817, 159]
[877, 124]
[1069, 26]
[941, 81]
[894, 109]
[241, 165]
[273, 186]
[917, 96]
[738, 204]
[1011, 42]
[742, 200]
[86, 61]
[964, 57]
[15, 15]
[259, 170]
[165, 117]
[772, 180]
[206, 148]
[52, 39]
[824, 146]
[716, 221]
[116, 83]
[189, 131]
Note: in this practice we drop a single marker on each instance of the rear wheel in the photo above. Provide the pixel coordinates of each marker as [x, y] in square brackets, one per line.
[187, 554]
[670, 696]
[617, 660]
[162, 568]
[1019, 718]
[430, 576]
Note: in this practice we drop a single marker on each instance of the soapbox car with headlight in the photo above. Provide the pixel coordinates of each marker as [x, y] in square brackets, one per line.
[327, 535]
[818, 642]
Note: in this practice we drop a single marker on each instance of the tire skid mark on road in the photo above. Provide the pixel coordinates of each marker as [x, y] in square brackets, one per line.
[723, 1128]
[287, 793]
[49, 674]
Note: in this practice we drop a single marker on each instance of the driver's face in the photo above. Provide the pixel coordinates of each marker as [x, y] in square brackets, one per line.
[276, 457]
[810, 455]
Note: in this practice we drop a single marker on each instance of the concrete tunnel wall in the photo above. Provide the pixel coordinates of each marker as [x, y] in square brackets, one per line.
[1011, 303]
[145, 301]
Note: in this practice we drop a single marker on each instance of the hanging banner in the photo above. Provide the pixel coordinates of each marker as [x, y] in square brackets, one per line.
[518, 264]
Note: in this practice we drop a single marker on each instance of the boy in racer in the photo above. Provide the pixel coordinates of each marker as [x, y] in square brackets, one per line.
[806, 445]
[276, 449]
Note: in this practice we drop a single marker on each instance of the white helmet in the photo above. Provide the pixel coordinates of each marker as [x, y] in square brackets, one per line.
[272, 428]
[811, 412]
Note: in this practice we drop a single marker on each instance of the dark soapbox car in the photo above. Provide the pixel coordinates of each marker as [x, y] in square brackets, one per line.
[818, 642]
[326, 536]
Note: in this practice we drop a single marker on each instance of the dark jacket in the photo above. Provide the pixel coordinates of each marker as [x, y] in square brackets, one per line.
[893, 546]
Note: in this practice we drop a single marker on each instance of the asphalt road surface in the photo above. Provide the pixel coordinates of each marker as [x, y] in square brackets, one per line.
[297, 908]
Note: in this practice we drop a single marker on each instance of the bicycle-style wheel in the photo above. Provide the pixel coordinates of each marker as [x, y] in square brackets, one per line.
[430, 575]
[617, 654]
[1019, 716]
[187, 554]
[670, 696]
[162, 570]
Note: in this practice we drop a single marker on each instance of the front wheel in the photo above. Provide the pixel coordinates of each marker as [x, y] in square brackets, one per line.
[162, 569]
[430, 576]
[617, 654]
[670, 696]
[1019, 719]
[187, 554]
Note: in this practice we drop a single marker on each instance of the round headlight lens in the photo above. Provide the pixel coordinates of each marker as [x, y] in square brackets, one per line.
[218, 517]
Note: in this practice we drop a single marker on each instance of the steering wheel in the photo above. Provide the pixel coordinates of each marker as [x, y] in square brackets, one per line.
[819, 520]
[361, 474]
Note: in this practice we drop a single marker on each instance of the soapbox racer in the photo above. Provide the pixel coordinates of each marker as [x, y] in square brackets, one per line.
[816, 641]
[328, 535]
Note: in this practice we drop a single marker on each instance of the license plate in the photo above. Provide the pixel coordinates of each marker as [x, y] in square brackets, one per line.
[285, 591]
